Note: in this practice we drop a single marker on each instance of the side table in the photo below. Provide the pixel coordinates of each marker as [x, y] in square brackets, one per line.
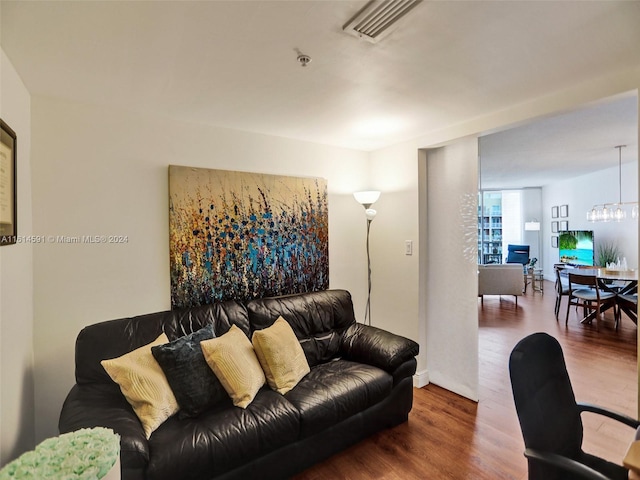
[536, 278]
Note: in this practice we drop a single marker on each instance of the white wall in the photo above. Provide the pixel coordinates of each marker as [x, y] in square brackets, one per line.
[100, 171]
[451, 284]
[16, 284]
[580, 194]
[394, 274]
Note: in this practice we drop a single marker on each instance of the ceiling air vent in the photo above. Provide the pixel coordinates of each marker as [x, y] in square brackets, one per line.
[377, 18]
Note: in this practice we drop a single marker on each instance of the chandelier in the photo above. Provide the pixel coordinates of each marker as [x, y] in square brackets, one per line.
[616, 211]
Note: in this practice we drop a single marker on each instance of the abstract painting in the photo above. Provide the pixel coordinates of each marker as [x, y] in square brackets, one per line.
[238, 236]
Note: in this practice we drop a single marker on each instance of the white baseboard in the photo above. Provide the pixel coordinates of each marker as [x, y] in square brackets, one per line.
[454, 386]
[421, 379]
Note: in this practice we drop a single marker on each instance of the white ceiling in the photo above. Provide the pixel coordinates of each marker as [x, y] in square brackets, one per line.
[562, 146]
[233, 63]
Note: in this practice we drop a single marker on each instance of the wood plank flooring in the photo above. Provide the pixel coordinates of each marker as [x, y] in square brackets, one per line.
[450, 437]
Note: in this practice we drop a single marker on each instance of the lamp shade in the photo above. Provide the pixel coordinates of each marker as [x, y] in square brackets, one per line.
[533, 226]
[368, 197]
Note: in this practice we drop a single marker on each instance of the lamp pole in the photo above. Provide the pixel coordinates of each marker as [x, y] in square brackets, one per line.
[366, 199]
[367, 311]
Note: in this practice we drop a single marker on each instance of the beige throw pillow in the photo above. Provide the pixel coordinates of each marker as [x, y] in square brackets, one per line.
[144, 385]
[280, 355]
[232, 359]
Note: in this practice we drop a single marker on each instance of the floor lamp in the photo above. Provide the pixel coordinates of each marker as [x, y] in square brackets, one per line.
[366, 199]
[534, 226]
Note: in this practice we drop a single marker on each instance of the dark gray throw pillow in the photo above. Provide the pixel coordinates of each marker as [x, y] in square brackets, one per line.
[194, 384]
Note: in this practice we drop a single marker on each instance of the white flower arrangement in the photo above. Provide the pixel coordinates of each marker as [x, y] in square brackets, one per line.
[86, 454]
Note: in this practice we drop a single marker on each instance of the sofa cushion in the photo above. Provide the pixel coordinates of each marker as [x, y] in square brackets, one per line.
[222, 438]
[233, 360]
[144, 385]
[280, 356]
[194, 384]
[334, 391]
[318, 319]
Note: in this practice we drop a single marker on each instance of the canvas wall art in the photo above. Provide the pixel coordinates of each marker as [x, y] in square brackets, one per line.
[238, 236]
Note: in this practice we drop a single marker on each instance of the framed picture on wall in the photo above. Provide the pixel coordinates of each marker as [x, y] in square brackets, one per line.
[564, 211]
[554, 212]
[564, 226]
[554, 241]
[8, 177]
[554, 227]
[220, 252]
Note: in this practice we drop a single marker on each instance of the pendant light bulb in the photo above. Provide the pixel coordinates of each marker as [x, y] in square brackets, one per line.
[619, 214]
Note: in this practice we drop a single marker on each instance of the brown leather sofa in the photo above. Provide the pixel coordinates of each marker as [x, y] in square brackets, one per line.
[360, 382]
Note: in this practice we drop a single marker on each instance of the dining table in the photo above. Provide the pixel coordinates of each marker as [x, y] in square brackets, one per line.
[620, 282]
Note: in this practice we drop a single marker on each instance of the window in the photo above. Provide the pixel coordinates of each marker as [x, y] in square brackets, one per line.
[499, 223]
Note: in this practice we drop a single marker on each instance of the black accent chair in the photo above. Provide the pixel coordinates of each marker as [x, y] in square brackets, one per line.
[550, 417]
[518, 254]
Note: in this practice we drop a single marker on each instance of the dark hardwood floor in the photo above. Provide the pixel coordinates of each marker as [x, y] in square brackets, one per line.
[450, 437]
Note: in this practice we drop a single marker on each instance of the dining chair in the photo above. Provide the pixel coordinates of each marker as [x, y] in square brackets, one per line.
[550, 417]
[590, 297]
[562, 288]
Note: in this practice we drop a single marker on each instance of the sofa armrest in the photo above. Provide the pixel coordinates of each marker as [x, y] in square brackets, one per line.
[406, 369]
[377, 347]
[102, 405]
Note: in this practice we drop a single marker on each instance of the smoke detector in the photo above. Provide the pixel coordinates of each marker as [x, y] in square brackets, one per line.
[303, 59]
[378, 18]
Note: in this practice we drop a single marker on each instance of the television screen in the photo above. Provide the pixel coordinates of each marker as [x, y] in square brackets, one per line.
[576, 247]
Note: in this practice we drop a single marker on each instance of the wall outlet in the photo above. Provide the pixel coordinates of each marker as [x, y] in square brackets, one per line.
[408, 247]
